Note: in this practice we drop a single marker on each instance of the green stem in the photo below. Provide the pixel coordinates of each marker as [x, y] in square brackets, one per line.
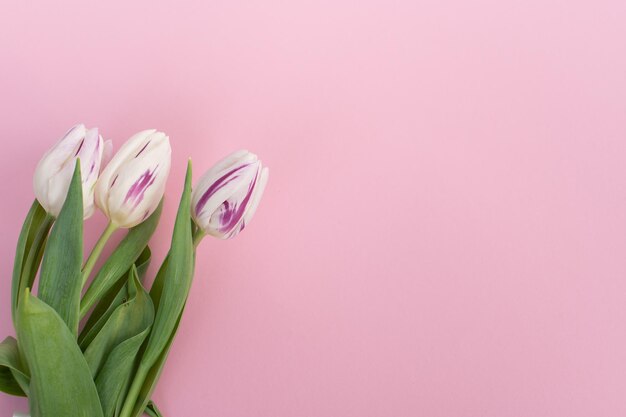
[133, 393]
[198, 235]
[97, 250]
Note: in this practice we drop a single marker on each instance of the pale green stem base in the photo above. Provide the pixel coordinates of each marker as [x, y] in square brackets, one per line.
[198, 236]
[97, 250]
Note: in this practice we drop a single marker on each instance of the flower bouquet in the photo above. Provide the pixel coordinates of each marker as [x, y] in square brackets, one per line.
[93, 343]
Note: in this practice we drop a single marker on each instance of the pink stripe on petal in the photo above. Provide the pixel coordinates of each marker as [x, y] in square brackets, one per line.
[231, 215]
[137, 190]
[80, 146]
[216, 186]
[142, 149]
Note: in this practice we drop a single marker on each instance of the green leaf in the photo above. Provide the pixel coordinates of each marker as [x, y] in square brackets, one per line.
[153, 375]
[115, 376]
[126, 253]
[11, 369]
[129, 319]
[174, 288]
[91, 330]
[152, 378]
[143, 263]
[157, 286]
[109, 302]
[60, 280]
[28, 252]
[176, 280]
[61, 383]
[113, 353]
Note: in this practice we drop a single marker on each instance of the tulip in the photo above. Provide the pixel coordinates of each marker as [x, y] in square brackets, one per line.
[132, 184]
[228, 194]
[54, 171]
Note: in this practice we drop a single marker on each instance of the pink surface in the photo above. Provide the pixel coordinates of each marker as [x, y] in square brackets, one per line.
[444, 230]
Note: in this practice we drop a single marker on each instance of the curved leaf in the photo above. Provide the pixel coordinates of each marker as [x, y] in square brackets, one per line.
[117, 299]
[60, 281]
[115, 376]
[143, 263]
[176, 280]
[60, 383]
[109, 302]
[11, 372]
[132, 317]
[153, 375]
[32, 236]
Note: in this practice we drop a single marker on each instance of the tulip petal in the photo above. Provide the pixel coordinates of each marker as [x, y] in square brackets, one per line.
[137, 190]
[110, 172]
[228, 164]
[107, 153]
[218, 184]
[256, 198]
[230, 214]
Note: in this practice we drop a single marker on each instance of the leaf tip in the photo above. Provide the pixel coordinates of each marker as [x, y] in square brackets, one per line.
[188, 174]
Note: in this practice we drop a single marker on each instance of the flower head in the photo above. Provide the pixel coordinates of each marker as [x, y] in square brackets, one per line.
[132, 184]
[228, 194]
[54, 171]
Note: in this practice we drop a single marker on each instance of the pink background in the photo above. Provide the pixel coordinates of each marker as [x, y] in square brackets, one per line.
[444, 230]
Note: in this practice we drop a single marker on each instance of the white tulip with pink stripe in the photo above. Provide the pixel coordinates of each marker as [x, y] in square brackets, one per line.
[227, 195]
[132, 184]
[54, 171]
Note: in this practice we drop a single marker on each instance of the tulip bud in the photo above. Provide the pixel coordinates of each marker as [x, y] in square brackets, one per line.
[54, 172]
[132, 184]
[228, 194]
